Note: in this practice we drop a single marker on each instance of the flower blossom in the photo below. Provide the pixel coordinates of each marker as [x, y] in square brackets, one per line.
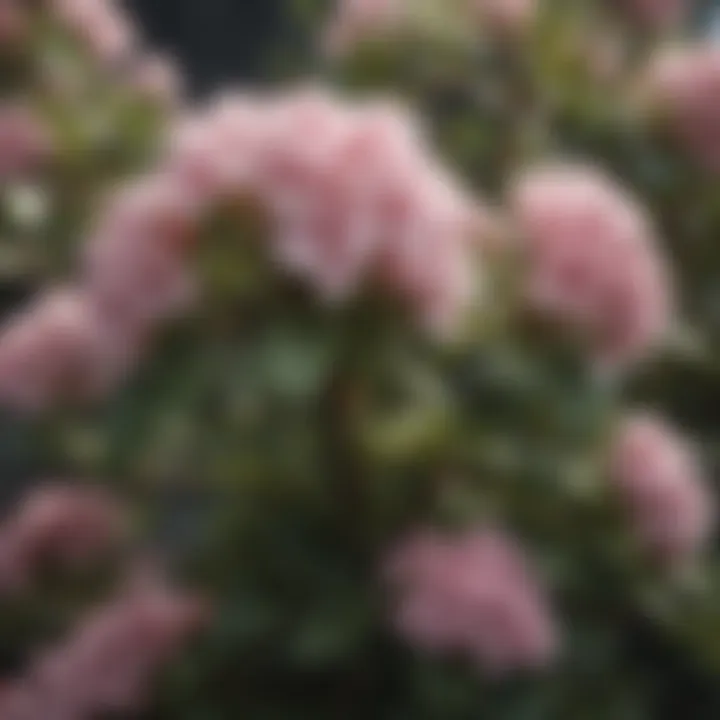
[683, 84]
[109, 663]
[661, 482]
[471, 594]
[101, 24]
[60, 349]
[58, 524]
[592, 262]
[363, 204]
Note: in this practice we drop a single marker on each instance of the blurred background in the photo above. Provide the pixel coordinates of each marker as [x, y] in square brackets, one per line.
[221, 40]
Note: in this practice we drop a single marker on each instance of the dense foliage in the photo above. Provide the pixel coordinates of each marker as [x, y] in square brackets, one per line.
[389, 395]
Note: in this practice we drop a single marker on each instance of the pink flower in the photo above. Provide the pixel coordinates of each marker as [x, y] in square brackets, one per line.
[109, 663]
[101, 24]
[24, 141]
[470, 594]
[60, 348]
[136, 266]
[684, 84]
[592, 261]
[659, 479]
[363, 206]
[60, 524]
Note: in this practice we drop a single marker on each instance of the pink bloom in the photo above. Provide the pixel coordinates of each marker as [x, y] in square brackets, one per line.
[109, 663]
[101, 24]
[592, 260]
[136, 268]
[471, 594]
[363, 205]
[661, 482]
[60, 524]
[58, 349]
[684, 83]
[24, 142]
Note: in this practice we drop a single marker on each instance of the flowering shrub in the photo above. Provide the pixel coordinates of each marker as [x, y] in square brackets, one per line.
[357, 366]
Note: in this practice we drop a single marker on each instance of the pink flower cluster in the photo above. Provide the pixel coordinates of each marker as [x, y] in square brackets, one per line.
[360, 205]
[660, 480]
[471, 594]
[24, 141]
[61, 349]
[109, 663]
[684, 85]
[592, 260]
[351, 194]
[58, 524]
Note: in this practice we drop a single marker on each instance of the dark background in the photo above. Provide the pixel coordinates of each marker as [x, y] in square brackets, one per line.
[218, 41]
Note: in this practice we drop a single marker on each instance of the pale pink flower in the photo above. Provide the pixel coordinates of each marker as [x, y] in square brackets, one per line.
[60, 349]
[684, 85]
[24, 141]
[109, 664]
[58, 524]
[661, 482]
[136, 266]
[592, 261]
[471, 594]
[101, 24]
[363, 205]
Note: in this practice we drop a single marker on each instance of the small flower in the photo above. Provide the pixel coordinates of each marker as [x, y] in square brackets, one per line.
[657, 13]
[60, 349]
[683, 85]
[110, 661]
[592, 262]
[660, 481]
[136, 266]
[470, 594]
[59, 524]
